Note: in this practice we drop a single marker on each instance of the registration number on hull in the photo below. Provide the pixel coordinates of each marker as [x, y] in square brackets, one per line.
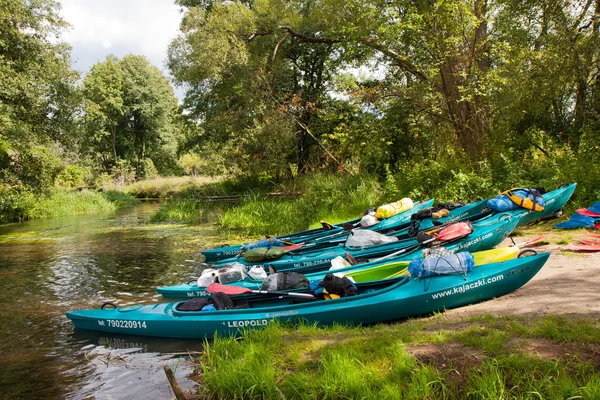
[119, 323]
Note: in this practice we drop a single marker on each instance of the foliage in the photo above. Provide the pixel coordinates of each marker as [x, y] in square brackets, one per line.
[131, 114]
[72, 176]
[37, 97]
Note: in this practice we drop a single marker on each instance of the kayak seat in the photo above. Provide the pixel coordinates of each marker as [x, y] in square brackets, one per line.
[222, 301]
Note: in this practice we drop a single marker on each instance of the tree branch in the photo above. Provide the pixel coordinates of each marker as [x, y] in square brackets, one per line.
[398, 59]
[309, 39]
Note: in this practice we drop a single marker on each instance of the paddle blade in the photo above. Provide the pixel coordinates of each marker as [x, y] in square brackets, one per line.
[455, 231]
[217, 287]
[530, 241]
[587, 213]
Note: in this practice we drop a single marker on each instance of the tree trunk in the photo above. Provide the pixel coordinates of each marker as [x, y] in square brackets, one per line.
[303, 150]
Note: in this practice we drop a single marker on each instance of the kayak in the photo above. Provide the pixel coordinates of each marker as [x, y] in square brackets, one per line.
[553, 202]
[486, 234]
[398, 299]
[473, 211]
[385, 270]
[221, 253]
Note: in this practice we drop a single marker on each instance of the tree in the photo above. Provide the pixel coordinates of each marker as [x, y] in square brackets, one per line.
[36, 82]
[255, 88]
[104, 108]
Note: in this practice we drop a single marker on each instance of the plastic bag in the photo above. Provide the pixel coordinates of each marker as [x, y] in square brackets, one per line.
[391, 209]
[257, 273]
[284, 281]
[454, 264]
[338, 263]
[207, 277]
[229, 273]
[359, 237]
[368, 220]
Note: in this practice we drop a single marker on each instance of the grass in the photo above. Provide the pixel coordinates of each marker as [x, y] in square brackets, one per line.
[434, 358]
[331, 198]
[160, 187]
[62, 203]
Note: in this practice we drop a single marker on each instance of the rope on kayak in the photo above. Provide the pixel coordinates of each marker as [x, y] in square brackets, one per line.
[463, 271]
[108, 303]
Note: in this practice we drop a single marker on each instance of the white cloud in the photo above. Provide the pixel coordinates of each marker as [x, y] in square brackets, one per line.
[102, 27]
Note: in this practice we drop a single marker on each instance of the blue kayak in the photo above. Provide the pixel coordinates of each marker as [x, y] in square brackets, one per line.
[401, 298]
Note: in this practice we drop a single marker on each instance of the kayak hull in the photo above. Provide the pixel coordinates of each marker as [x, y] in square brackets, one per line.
[405, 298]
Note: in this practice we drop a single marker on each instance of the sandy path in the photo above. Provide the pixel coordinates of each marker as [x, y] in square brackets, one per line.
[568, 283]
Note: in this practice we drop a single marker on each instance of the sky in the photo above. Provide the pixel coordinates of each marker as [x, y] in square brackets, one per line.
[120, 27]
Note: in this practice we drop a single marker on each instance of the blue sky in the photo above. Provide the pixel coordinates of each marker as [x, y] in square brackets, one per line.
[120, 27]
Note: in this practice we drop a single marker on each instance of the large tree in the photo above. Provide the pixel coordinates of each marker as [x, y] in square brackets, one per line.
[131, 114]
[257, 89]
[36, 80]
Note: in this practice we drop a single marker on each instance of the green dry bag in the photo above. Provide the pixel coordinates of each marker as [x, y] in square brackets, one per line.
[264, 254]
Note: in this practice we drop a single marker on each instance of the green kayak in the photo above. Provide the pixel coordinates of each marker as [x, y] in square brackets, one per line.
[403, 298]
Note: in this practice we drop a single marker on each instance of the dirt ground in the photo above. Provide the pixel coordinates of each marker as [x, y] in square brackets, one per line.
[569, 283]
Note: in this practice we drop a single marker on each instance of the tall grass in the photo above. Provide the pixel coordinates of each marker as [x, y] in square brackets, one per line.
[434, 358]
[161, 187]
[59, 203]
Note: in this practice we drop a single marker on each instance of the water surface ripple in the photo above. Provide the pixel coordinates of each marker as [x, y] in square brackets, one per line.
[48, 267]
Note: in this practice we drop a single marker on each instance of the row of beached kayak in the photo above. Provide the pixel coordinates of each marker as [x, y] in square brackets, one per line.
[379, 285]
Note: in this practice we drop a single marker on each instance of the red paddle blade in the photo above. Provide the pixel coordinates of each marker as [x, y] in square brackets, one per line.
[586, 212]
[455, 231]
[217, 287]
[530, 241]
[293, 246]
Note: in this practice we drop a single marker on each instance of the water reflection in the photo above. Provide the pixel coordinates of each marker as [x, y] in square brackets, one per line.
[51, 266]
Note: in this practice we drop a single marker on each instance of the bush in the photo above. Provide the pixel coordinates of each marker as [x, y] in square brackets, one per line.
[72, 176]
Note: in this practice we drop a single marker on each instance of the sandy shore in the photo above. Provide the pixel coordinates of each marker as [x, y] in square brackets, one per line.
[568, 283]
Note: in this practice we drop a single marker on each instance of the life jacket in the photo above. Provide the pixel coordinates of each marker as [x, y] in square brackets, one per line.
[525, 202]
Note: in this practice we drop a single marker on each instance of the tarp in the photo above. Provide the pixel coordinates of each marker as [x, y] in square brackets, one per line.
[579, 221]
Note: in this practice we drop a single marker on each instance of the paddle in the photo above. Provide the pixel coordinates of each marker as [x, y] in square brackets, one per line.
[233, 290]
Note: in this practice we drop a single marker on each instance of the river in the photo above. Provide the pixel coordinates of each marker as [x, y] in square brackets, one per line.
[48, 267]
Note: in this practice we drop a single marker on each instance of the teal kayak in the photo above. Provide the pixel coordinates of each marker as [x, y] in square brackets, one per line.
[486, 234]
[225, 252]
[401, 298]
[320, 259]
[553, 202]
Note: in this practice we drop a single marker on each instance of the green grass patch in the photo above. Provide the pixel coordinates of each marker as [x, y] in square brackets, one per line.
[161, 187]
[26, 205]
[434, 358]
[331, 198]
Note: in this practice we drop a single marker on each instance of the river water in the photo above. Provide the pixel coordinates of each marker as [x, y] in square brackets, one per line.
[48, 267]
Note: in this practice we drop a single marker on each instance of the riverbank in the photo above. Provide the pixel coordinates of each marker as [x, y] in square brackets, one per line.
[541, 340]
[59, 203]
